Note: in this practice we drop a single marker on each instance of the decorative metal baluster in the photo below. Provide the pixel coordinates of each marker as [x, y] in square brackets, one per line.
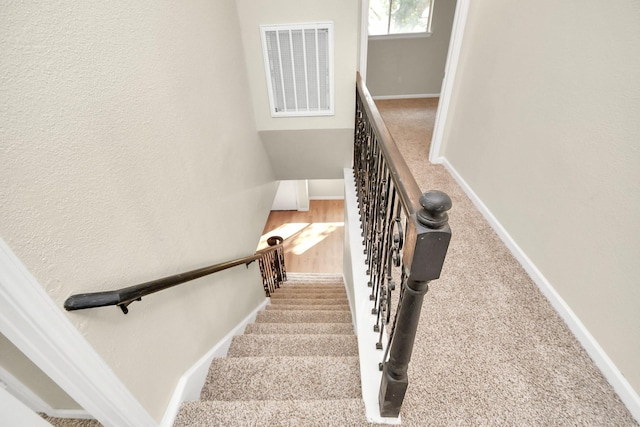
[377, 220]
[386, 214]
[394, 247]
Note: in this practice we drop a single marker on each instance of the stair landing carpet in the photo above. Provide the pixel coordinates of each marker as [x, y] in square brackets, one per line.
[297, 365]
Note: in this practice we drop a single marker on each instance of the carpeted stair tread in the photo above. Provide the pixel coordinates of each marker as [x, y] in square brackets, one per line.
[308, 295]
[303, 316]
[298, 301]
[311, 289]
[261, 413]
[282, 378]
[318, 285]
[293, 345]
[313, 277]
[303, 306]
[299, 328]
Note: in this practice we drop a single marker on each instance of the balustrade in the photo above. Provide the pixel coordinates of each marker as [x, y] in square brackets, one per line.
[405, 237]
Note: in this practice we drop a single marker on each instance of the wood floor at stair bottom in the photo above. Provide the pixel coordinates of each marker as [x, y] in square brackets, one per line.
[297, 365]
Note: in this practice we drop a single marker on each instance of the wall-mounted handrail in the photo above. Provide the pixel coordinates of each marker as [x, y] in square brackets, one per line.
[405, 234]
[125, 296]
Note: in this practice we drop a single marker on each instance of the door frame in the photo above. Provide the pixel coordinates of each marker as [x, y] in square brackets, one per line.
[450, 70]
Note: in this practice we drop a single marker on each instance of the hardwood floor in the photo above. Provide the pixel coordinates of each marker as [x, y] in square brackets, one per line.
[313, 239]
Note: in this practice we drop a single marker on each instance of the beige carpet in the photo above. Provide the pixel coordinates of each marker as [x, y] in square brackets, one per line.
[490, 349]
[297, 365]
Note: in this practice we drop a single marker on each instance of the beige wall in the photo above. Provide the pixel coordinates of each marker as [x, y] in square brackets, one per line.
[545, 128]
[129, 153]
[411, 66]
[13, 361]
[309, 154]
[281, 135]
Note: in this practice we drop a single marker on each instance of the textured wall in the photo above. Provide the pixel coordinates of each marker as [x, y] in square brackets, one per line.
[411, 66]
[544, 126]
[128, 152]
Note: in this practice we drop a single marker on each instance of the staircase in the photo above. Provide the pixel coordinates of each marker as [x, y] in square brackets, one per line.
[297, 365]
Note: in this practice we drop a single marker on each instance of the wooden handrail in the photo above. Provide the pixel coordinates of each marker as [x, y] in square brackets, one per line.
[125, 296]
[408, 188]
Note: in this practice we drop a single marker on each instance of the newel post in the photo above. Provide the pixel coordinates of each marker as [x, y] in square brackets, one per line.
[432, 241]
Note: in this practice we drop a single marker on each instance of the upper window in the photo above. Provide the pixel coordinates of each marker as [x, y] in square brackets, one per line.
[389, 17]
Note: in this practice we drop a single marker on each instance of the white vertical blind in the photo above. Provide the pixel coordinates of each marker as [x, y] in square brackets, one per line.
[299, 66]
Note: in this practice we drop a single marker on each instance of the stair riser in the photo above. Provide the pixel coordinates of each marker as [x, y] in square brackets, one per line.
[299, 301]
[308, 295]
[299, 328]
[308, 307]
[293, 345]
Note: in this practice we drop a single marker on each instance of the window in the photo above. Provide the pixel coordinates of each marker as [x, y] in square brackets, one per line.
[299, 66]
[387, 17]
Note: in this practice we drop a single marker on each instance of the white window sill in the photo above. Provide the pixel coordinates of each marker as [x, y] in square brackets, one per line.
[401, 36]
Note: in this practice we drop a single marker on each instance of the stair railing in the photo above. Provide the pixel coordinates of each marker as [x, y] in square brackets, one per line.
[405, 233]
[270, 260]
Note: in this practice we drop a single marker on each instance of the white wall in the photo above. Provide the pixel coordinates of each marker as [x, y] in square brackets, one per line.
[544, 127]
[399, 67]
[130, 153]
[326, 189]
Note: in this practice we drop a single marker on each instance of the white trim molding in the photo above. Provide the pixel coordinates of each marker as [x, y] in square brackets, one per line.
[450, 70]
[415, 96]
[192, 381]
[38, 327]
[627, 394]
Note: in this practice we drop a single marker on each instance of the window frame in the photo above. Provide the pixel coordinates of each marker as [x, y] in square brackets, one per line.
[389, 36]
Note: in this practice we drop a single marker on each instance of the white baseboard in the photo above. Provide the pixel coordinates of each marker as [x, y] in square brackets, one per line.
[191, 382]
[417, 95]
[627, 394]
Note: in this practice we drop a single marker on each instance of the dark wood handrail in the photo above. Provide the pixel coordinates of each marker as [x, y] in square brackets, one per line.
[125, 296]
[408, 188]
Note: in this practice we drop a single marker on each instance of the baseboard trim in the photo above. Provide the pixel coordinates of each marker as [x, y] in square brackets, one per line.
[415, 96]
[191, 382]
[627, 394]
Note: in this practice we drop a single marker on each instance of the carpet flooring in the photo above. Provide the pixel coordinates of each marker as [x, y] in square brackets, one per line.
[490, 349]
[297, 365]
